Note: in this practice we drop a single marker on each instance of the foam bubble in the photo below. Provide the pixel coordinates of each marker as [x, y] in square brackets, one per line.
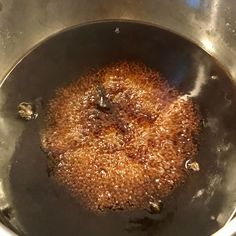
[128, 152]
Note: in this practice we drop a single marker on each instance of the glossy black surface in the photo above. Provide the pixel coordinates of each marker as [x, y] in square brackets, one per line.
[43, 208]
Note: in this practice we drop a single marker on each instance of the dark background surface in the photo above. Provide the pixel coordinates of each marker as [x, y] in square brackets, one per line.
[43, 208]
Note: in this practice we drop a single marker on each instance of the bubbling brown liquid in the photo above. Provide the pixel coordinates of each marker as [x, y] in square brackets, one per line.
[118, 138]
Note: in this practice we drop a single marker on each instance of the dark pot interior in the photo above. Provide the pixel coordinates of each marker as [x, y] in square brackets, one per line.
[37, 206]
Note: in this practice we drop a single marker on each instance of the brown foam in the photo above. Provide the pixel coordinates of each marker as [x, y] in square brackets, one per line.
[118, 138]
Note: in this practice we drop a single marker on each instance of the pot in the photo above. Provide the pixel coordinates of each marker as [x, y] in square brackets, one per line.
[31, 204]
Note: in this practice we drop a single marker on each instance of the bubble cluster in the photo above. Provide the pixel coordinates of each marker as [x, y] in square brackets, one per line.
[119, 138]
